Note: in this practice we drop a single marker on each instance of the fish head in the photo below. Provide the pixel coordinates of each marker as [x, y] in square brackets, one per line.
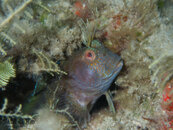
[93, 69]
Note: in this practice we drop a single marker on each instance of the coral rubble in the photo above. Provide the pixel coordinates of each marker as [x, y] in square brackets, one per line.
[37, 36]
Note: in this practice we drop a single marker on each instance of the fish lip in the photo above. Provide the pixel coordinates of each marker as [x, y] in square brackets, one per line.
[118, 67]
[106, 84]
[111, 77]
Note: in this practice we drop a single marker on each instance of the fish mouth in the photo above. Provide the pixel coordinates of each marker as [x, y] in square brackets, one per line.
[103, 86]
[108, 80]
[118, 67]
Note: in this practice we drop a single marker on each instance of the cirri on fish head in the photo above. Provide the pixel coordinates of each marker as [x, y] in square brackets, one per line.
[93, 69]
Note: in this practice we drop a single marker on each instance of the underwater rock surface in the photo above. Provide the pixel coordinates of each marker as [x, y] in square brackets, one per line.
[36, 37]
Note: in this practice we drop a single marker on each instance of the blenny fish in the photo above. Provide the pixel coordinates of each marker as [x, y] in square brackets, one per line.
[91, 71]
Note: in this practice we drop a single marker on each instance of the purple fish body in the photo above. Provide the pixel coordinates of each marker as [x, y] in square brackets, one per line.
[91, 71]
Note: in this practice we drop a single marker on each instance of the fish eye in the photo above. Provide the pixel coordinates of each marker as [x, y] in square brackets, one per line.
[90, 55]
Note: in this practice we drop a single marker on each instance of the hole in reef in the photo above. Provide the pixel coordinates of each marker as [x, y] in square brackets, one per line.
[20, 89]
[17, 90]
[102, 103]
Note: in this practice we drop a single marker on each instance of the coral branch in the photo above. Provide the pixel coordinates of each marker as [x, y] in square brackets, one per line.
[11, 16]
[47, 64]
[16, 115]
